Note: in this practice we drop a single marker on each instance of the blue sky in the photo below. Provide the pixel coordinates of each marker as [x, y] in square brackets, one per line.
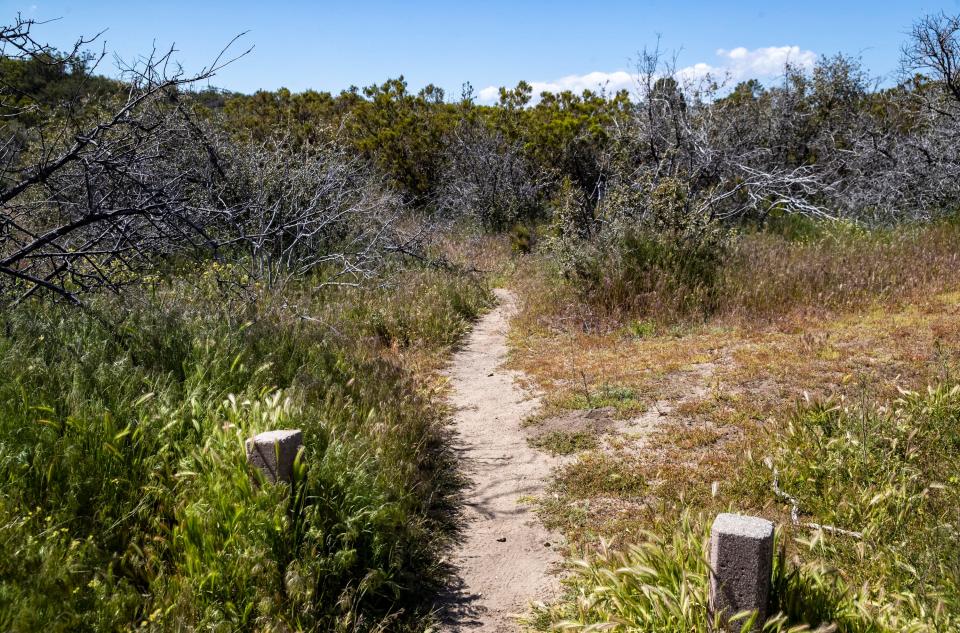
[331, 45]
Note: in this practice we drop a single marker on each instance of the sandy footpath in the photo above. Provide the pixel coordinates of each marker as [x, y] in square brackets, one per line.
[506, 557]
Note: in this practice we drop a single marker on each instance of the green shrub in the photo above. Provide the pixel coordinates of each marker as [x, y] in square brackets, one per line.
[521, 239]
[645, 250]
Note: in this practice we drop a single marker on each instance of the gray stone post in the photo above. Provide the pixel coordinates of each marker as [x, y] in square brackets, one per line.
[273, 453]
[741, 561]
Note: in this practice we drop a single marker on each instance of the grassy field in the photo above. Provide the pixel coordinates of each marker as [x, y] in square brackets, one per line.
[127, 502]
[813, 362]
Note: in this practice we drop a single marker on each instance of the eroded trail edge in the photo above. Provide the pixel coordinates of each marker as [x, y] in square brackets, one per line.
[507, 558]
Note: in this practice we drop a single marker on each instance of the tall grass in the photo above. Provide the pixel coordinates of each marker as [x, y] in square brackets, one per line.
[837, 267]
[760, 276]
[661, 585]
[889, 471]
[125, 498]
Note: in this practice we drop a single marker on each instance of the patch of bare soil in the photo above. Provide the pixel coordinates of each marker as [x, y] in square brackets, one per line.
[581, 420]
[507, 559]
[597, 491]
[688, 386]
[681, 388]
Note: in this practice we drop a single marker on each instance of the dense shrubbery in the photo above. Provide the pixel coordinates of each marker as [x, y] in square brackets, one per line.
[488, 180]
[646, 250]
[824, 142]
[242, 301]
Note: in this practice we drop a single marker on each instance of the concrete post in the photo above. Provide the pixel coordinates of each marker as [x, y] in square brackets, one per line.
[273, 453]
[741, 561]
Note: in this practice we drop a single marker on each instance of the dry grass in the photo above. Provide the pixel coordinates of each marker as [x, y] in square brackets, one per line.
[855, 318]
[843, 269]
[565, 442]
[766, 278]
[473, 250]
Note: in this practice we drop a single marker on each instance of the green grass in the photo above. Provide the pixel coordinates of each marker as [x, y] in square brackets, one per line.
[661, 585]
[887, 471]
[565, 442]
[624, 400]
[598, 473]
[642, 329]
[125, 498]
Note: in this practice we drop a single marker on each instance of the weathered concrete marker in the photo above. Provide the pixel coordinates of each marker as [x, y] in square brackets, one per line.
[273, 453]
[741, 561]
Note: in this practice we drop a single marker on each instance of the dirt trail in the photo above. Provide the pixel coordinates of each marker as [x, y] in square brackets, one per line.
[506, 557]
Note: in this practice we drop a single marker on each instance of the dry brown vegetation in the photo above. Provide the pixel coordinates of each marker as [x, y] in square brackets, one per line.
[843, 315]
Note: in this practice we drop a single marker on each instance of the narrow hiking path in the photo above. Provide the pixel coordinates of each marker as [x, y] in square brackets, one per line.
[506, 556]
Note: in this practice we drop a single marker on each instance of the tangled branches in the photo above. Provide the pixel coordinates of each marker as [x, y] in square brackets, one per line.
[488, 178]
[97, 194]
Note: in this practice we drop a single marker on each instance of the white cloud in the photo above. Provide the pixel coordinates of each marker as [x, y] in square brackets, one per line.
[613, 82]
[597, 80]
[699, 71]
[488, 94]
[737, 63]
[764, 62]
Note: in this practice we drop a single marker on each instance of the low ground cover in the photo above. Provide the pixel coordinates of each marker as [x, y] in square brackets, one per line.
[824, 385]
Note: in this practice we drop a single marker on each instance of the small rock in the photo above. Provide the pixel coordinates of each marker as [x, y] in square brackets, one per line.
[547, 544]
[490, 375]
[502, 539]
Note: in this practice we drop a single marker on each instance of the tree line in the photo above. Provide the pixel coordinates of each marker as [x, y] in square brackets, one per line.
[104, 179]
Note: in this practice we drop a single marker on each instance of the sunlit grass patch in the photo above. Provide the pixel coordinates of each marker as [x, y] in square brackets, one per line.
[885, 470]
[565, 442]
[126, 496]
[601, 474]
[623, 400]
[721, 393]
[660, 584]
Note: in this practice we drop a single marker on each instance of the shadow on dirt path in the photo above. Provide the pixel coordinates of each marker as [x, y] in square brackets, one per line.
[506, 556]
